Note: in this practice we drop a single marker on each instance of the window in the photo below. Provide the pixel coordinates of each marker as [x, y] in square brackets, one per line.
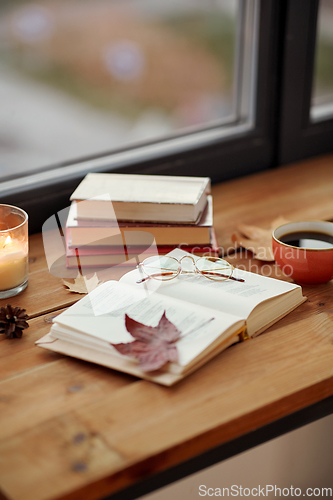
[220, 88]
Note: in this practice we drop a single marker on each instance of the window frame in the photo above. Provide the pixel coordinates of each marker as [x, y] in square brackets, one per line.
[299, 136]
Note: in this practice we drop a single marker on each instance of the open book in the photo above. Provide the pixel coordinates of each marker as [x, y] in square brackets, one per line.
[210, 315]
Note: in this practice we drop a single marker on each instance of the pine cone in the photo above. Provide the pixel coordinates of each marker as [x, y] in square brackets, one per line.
[12, 321]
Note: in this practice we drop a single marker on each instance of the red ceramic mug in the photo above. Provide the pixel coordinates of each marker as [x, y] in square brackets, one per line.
[304, 251]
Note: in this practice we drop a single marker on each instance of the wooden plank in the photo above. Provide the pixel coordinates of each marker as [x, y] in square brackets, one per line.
[37, 394]
[152, 427]
[36, 384]
[20, 355]
[68, 445]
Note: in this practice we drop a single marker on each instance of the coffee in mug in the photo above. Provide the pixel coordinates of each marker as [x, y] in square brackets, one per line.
[304, 250]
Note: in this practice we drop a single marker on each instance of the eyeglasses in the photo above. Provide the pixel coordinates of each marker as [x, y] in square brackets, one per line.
[165, 268]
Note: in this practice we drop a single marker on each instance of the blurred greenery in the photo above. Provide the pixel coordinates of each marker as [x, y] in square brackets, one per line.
[59, 77]
[216, 32]
[10, 4]
[324, 64]
[213, 31]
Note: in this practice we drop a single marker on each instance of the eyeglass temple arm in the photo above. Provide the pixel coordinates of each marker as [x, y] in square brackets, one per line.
[155, 274]
[236, 279]
[224, 275]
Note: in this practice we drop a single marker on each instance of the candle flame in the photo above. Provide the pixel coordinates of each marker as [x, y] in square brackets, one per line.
[7, 241]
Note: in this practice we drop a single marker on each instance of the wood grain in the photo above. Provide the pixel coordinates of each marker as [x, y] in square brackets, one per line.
[142, 423]
[100, 430]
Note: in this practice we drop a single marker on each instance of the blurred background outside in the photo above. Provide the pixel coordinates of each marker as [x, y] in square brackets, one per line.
[80, 77]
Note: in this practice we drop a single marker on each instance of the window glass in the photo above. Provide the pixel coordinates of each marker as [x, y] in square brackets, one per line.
[322, 93]
[82, 77]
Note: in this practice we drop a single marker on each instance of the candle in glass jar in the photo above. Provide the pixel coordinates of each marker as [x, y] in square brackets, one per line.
[13, 262]
[13, 250]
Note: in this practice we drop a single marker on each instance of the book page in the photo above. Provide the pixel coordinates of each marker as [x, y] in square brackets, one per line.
[101, 315]
[236, 298]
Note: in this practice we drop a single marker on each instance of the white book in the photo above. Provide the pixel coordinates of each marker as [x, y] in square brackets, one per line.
[149, 198]
[211, 315]
[88, 232]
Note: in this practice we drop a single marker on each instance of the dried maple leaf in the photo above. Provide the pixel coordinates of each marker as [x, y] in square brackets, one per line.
[154, 346]
[257, 240]
[82, 284]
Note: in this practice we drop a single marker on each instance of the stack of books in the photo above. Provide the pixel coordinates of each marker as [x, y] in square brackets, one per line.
[115, 218]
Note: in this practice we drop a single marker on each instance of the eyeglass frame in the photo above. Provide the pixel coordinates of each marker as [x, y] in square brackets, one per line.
[183, 271]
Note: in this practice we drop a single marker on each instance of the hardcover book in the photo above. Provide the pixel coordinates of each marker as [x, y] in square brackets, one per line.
[82, 232]
[142, 197]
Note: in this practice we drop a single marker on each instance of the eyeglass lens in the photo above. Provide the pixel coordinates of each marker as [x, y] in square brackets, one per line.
[161, 267]
[214, 268]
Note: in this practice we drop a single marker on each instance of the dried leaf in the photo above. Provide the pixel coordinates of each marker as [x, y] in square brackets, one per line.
[82, 284]
[257, 240]
[154, 346]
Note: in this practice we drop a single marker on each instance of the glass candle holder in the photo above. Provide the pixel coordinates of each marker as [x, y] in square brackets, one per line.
[14, 252]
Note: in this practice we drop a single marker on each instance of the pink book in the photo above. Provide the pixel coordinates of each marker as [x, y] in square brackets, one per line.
[91, 256]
